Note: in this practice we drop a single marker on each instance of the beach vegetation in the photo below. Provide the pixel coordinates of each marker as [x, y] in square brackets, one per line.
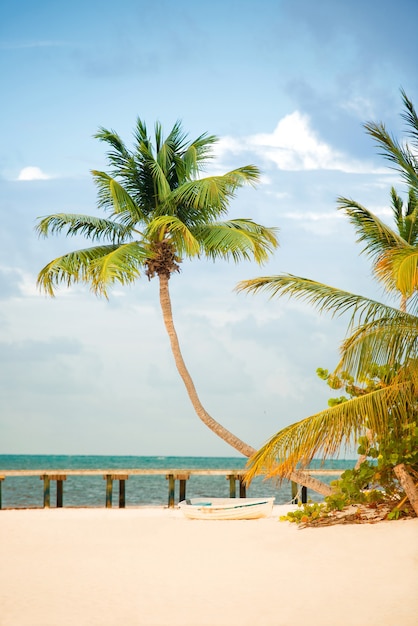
[380, 351]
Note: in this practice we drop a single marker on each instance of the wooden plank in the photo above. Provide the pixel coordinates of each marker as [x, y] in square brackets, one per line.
[117, 476]
[56, 476]
[147, 472]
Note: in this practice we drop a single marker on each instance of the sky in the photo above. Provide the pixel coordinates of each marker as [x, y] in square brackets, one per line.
[286, 85]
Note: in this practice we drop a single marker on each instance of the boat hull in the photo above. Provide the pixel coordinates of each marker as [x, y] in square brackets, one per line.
[226, 508]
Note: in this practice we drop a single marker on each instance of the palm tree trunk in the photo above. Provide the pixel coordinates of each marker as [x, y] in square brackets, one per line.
[408, 485]
[218, 429]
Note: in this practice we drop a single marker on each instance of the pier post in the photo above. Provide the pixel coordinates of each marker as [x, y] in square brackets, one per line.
[231, 478]
[171, 487]
[47, 488]
[109, 489]
[121, 494]
[182, 478]
[303, 495]
[1, 480]
[60, 493]
[122, 478]
[47, 491]
[232, 486]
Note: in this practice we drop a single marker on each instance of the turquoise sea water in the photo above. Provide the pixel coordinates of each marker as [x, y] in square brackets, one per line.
[89, 491]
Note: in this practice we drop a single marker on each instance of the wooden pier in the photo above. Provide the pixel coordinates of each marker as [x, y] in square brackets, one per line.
[234, 476]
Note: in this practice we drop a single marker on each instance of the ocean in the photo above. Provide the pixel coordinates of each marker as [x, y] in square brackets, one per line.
[90, 491]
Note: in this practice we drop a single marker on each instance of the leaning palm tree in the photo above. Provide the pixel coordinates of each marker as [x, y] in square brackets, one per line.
[159, 211]
[377, 333]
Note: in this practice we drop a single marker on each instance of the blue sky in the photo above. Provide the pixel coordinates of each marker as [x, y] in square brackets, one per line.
[286, 85]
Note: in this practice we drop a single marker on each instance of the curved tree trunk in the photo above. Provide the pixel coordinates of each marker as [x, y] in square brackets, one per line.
[219, 430]
[407, 484]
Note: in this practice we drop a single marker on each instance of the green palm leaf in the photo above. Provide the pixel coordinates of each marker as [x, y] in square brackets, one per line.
[112, 196]
[101, 266]
[120, 265]
[213, 194]
[402, 156]
[93, 228]
[240, 239]
[322, 297]
[70, 268]
[377, 235]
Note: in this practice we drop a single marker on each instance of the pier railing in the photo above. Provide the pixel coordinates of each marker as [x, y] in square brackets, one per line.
[234, 476]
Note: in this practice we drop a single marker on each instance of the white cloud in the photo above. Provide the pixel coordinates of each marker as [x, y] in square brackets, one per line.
[32, 173]
[294, 146]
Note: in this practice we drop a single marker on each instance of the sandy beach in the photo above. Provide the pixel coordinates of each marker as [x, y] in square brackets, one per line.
[152, 567]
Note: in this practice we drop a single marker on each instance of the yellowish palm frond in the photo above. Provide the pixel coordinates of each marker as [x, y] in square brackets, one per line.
[322, 435]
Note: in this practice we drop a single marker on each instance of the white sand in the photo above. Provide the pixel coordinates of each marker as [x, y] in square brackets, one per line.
[152, 567]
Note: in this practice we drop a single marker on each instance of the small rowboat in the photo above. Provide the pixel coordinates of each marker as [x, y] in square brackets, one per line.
[226, 508]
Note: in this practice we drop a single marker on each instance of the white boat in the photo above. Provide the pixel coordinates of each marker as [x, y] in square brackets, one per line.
[226, 508]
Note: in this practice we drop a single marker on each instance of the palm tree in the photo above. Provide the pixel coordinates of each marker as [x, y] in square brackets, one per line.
[160, 211]
[378, 334]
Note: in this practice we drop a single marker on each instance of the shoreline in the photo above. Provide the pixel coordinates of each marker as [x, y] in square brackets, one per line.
[150, 566]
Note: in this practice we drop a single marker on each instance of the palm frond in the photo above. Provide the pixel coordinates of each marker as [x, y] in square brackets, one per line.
[114, 197]
[403, 160]
[162, 188]
[397, 269]
[121, 265]
[377, 235]
[238, 239]
[211, 195]
[93, 228]
[405, 269]
[322, 297]
[322, 435]
[101, 266]
[411, 219]
[382, 341]
[70, 268]
[411, 118]
[119, 156]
